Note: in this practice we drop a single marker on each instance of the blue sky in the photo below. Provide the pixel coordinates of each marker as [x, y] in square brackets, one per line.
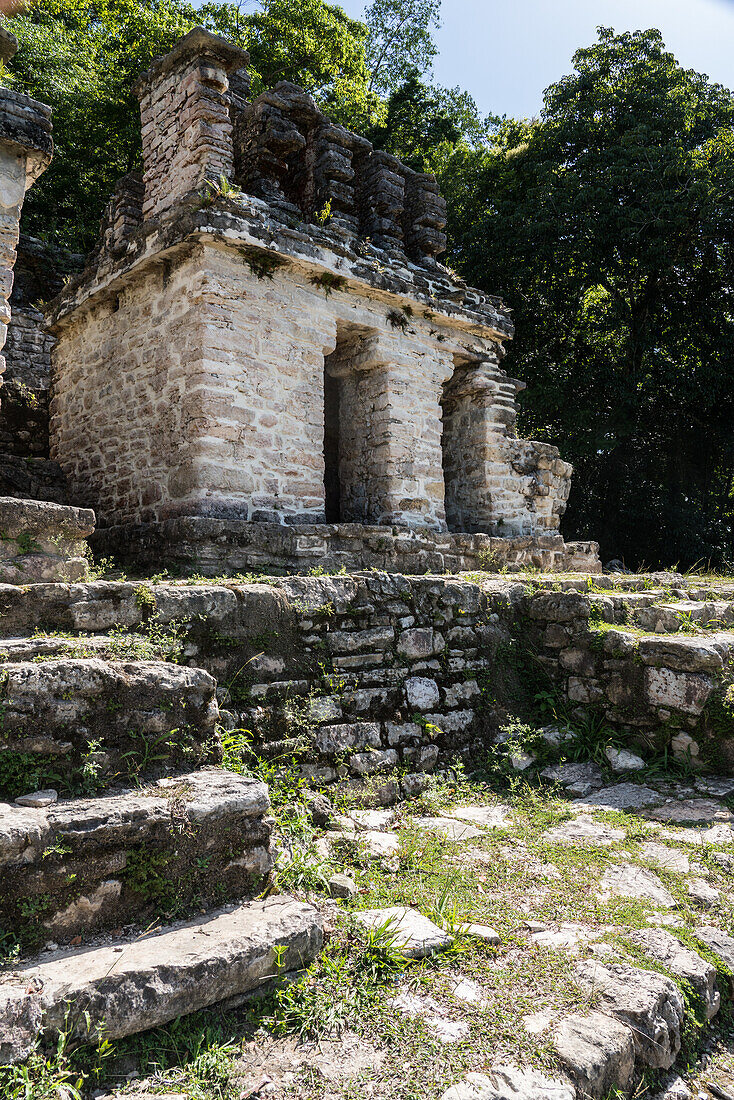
[505, 52]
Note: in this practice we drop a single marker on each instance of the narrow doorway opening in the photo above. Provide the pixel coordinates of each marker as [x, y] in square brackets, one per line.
[332, 479]
[348, 442]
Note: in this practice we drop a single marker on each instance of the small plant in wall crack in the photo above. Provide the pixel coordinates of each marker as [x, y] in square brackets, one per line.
[263, 265]
[400, 318]
[221, 189]
[329, 282]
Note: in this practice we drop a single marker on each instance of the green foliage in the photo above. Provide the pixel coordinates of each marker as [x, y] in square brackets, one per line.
[83, 58]
[607, 226]
[21, 772]
[336, 991]
[400, 39]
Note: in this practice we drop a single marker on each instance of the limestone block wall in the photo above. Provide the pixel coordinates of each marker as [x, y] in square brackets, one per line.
[123, 401]
[388, 385]
[655, 687]
[200, 391]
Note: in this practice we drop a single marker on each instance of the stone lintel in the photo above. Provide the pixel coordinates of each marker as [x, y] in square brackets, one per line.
[25, 130]
[247, 225]
[198, 43]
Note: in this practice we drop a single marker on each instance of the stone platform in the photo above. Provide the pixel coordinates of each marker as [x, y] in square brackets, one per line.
[219, 547]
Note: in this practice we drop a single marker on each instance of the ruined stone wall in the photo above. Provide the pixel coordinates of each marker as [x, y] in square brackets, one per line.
[186, 125]
[636, 661]
[208, 389]
[40, 273]
[496, 482]
[281, 295]
[120, 401]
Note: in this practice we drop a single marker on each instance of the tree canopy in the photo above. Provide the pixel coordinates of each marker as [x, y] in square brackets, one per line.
[607, 226]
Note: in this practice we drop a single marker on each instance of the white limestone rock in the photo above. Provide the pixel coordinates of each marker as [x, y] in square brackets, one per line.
[719, 942]
[598, 1051]
[489, 817]
[510, 1083]
[663, 947]
[38, 800]
[626, 880]
[415, 935]
[650, 1004]
[670, 859]
[703, 892]
[584, 830]
[422, 693]
[620, 760]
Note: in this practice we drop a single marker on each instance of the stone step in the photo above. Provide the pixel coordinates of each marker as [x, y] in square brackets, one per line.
[145, 982]
[83, 865]
[111, 647]
[80, 724]
[674, 617]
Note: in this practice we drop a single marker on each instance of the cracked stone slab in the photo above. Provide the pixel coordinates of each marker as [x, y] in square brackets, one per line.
[151, 980]
[577, 780]
[584, 830]
[567, 937]
[716, 786]
[448, 827]
[510, 1083]
[415, 935]
[598, 1051]
[490, 817]
[664, 948]
[670, 859]
[649, 1003]
[719, 942]
[626, 880]
[703, 893]
[623, 796]
[691, 811]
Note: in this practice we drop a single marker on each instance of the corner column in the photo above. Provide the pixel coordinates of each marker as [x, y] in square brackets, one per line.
[26, 149]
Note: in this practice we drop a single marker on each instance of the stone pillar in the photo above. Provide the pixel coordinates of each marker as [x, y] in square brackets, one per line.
[390, 443]
[496, 484]
[25, 152]
[40, 541]
[185, 117]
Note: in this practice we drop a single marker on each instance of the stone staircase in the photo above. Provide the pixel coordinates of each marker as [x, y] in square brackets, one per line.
[130, 883]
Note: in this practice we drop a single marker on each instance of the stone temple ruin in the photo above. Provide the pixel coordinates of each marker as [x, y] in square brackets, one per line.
[263, 363]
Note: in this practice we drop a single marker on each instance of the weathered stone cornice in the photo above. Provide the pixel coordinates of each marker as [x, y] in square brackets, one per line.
[252, 226]
[198, 43]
